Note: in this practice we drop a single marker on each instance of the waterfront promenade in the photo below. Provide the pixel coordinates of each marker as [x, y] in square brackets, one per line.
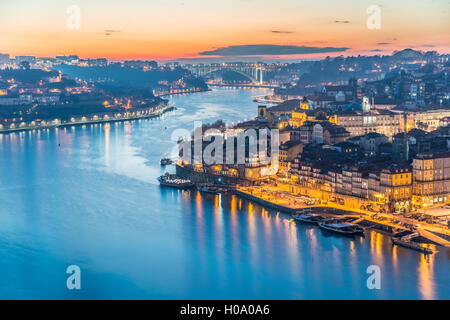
[241, 85]
[178, 92]
[277, 198]
[126, 116]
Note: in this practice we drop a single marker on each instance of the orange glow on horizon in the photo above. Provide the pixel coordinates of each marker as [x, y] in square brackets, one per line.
[159, 30]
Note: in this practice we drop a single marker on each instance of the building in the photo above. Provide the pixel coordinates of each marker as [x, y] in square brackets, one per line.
[395, 187]
[427, 120]
[418, 142]
[4, 58]
[298, 119]
[328, 133]
[29, 59]
[285, 108]
[287, 153]
[374, 190]
[358, 123]
[320, 102]
[346, 147]
[370, 143]
[322, 132]
[431, 185]
[445, 122]
[349, 90]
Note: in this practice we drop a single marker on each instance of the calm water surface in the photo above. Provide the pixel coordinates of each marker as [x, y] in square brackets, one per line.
[89, 196]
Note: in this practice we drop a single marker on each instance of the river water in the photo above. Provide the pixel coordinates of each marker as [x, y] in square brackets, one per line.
[88, 196]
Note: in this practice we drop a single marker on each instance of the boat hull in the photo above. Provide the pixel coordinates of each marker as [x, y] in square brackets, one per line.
[306, 221]
[165, 181]
[342, 232]
[412, 246]
[176, 186]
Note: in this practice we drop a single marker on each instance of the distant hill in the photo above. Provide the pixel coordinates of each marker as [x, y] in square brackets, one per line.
[30, 76]
[119, 76]
[360, 67]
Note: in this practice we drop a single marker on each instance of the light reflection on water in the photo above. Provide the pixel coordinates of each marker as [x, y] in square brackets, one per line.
[89, 196]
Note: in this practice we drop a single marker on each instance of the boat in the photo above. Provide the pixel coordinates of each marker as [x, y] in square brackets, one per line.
[207, 189]
[303, 211]
[344, 228]
[211, 189]
[312, 218]
[411, 245]
[166, 161]
[171, 180]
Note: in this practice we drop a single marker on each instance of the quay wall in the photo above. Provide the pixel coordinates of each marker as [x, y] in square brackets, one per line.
[168, 94]
[51, 125]
[264, 203]
[205, 177]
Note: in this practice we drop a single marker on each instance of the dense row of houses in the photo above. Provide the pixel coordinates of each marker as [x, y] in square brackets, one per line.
[365, 154]
[392, 187]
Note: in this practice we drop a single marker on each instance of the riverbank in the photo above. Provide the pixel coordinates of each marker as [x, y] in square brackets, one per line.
[429, 233]
[188, 91]
[118, 117]
[265, 86]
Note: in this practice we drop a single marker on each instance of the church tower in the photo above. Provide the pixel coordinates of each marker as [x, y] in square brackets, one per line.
[264, 114]
[304, 104]
[366, 105]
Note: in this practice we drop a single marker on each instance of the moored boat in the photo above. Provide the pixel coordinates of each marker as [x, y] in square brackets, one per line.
[207, 189]
[411, 245]
[312, 218]
[173, 181]
[211, 189]
[344, 228]
[166, 161]
[303, 211]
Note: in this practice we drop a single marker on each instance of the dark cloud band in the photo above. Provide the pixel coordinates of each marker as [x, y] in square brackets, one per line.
[268, 49]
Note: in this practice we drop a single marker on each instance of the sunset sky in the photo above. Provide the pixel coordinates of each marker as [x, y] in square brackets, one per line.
[168, 29]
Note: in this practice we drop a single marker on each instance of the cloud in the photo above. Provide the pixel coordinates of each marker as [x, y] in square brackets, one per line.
[377, 50]
[280, 31]
[383, 43]
[313, 42]
[268, 49]
[108, 32]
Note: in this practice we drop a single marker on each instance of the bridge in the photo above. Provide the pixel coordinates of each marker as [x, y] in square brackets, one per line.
[241, 85]
[254, 72]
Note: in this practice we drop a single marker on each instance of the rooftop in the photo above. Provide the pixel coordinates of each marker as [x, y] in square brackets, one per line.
[439, 155]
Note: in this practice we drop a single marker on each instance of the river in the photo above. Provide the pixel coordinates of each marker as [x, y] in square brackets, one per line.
[88, 196]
